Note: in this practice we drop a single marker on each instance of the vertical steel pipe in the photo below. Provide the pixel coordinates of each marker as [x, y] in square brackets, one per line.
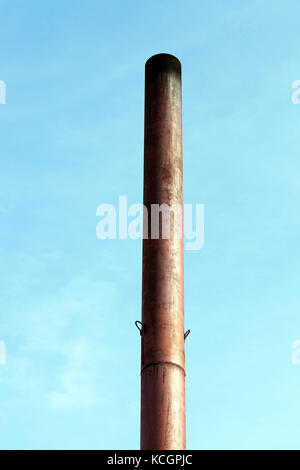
[163, 359]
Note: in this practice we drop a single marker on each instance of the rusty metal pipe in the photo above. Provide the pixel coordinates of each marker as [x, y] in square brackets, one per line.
[163, 359]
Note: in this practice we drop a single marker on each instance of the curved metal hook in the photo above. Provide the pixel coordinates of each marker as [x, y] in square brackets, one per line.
[186, 334]
[139, 326]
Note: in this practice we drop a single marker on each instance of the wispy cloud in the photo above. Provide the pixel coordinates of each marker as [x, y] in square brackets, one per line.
[55, 344]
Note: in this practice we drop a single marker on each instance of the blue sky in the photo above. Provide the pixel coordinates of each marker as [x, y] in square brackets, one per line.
[71, 136]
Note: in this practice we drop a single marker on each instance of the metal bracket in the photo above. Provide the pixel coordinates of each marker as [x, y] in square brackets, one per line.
[140, 326]
[186, 334]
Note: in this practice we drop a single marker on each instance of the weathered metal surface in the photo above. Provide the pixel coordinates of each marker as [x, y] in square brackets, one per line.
[163, 359]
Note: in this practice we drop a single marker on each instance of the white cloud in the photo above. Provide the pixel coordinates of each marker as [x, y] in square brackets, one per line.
[56, 344]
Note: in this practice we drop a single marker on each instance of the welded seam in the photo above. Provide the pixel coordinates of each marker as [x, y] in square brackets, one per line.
[167, 363]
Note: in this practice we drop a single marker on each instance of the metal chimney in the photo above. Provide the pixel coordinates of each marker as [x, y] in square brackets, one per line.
[163, 359]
